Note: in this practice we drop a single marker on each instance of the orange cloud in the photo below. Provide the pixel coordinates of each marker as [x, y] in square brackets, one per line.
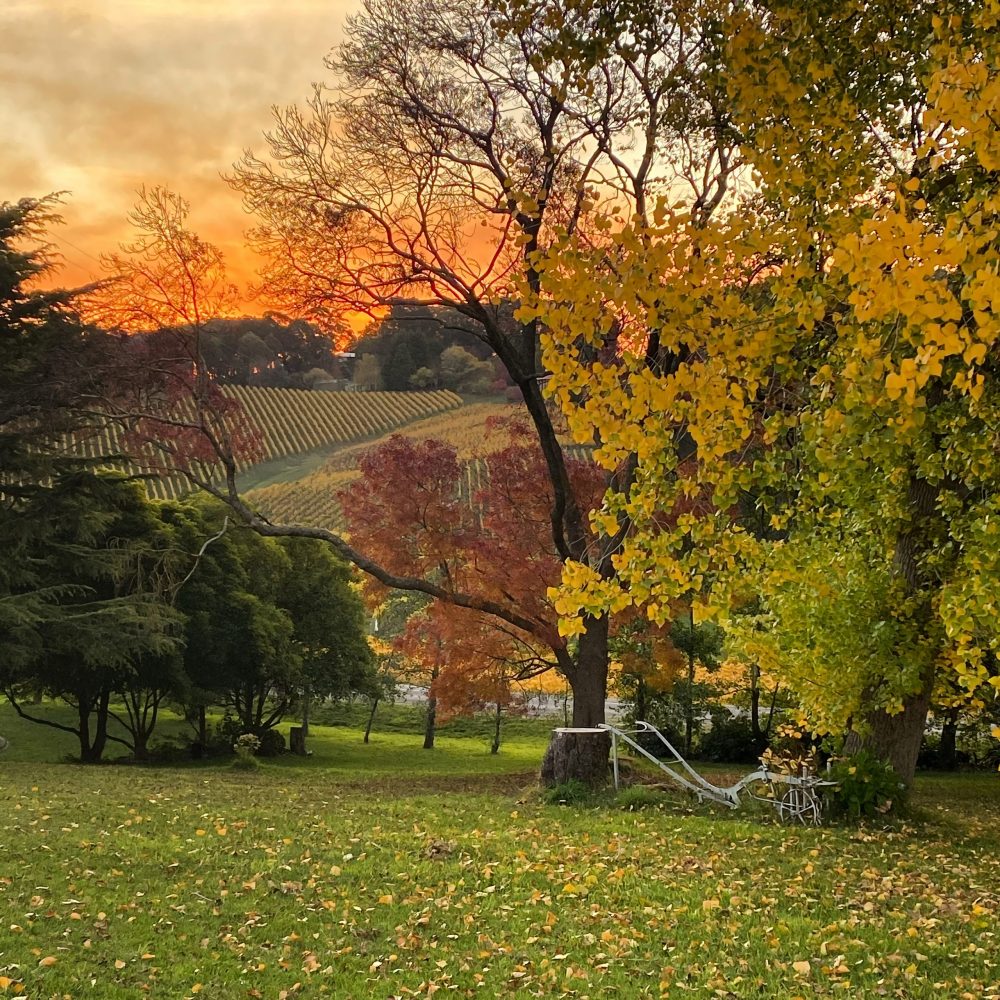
[104, 97]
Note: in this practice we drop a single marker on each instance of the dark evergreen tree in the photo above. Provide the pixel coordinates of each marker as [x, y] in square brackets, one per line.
[103, 562]
[65, 619]
[268, 623]
[399, 367]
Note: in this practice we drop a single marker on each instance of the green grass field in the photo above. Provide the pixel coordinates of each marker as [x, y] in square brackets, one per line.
[388, 871]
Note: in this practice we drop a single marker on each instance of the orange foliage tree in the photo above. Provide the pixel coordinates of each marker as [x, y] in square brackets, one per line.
[414, 513]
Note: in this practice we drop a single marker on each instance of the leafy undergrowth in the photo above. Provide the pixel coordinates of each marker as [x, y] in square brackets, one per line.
[307, 881]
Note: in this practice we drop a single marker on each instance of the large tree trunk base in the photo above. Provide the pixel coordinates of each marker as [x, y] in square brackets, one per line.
[577, 755]
[894, 738]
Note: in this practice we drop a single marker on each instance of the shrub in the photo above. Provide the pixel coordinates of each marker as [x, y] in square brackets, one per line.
[230, 730]
[568, 793]
[170, 752]
[271, 743]
[245, 762]
[246, 745]
[730, 740]
[866, 787]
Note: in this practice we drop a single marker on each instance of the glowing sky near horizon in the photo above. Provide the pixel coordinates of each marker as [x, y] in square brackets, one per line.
[98, 97]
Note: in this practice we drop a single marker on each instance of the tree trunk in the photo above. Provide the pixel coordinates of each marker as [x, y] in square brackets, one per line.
[91, 751]
[306, 700]
[371, 719]
[577, 755]
[202, 727]
[895, 738]
[756, 731]
[949, 741]
[495, 748]
[640, 698]
[689, 706]
[583, 756]
[430, 720]
[589, 679]
[83, 733]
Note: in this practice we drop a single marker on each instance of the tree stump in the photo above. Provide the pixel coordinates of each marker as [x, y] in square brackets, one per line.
[577, 755]
[297, 740]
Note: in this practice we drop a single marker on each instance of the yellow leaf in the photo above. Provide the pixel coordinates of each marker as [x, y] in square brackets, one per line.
[49, 960]
[894, 385]
[802, 968]
[119, 964]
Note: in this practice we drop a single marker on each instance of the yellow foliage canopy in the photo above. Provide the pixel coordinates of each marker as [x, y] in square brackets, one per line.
[829, 345]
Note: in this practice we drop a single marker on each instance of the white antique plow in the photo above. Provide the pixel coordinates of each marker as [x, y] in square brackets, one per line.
[798, 802]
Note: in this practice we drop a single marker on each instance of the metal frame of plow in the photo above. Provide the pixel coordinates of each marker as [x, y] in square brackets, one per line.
[800, 802]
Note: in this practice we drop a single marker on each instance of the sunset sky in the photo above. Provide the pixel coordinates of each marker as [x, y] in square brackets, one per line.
[98, 97]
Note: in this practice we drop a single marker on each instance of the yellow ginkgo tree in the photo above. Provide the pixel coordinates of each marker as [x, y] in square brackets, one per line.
[821, 422]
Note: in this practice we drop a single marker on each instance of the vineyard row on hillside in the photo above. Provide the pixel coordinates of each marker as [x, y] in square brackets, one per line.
[292, 422]
[312, 500]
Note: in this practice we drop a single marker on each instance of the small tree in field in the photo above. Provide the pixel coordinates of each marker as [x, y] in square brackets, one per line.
[471, 665]
[413, 513]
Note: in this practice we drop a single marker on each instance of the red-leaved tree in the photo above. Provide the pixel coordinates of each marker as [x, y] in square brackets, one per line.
[473, 664]
[416, 512]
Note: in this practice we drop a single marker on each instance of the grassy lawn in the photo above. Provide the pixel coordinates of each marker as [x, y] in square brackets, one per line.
[387, 871]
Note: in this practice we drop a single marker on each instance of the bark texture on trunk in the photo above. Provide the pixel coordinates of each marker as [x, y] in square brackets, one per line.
[584, 756]
[589, 679]
[577, 756]
[895, 738]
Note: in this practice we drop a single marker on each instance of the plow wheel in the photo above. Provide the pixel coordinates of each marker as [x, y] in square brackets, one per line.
[799, 804]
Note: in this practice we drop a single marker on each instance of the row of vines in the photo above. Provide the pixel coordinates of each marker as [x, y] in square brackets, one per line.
[291, 422]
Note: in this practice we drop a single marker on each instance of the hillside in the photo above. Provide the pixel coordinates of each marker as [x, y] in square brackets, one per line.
[300, 427]
[312, 498]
